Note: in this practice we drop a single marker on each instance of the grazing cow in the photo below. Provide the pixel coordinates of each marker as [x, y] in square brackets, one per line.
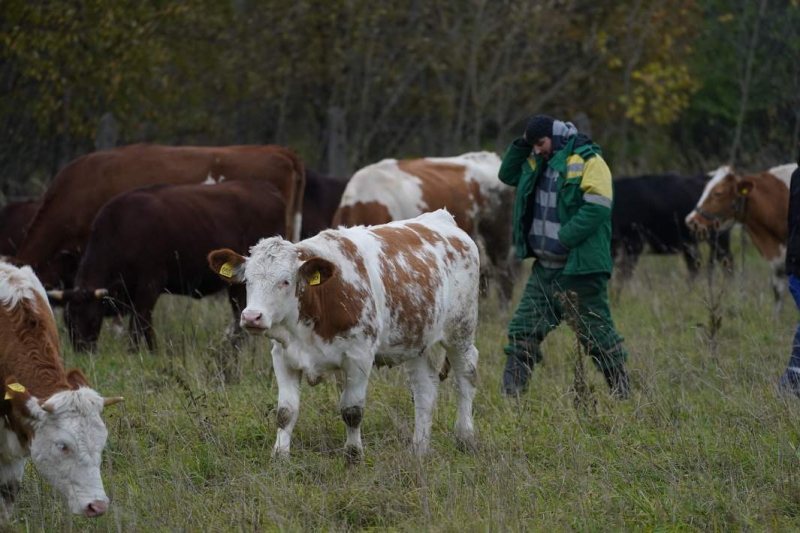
[57, 236]
[320, 201]
[349, 298]
[650, 210]
[49, 415]
[14, 220]
[467, 186]
[155, 240]
[760, 203]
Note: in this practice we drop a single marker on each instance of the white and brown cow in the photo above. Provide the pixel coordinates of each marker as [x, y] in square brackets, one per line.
[760, 203]
[350, 298]
[49, 415]
[466, 185]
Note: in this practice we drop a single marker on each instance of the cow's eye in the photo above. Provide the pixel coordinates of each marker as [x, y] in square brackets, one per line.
[63, 448]
[285, 283]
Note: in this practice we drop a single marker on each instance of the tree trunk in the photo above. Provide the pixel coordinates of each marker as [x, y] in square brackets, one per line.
[748, 78]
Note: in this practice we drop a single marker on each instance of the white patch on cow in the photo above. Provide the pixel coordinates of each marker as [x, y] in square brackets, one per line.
[298, 225]
[386, 184]
[221, 178]
[210, 180]
[17, 284]
[67, 446]
[784, 173]
[717, 178]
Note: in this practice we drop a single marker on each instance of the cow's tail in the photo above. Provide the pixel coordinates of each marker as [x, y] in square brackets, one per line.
[294, 211]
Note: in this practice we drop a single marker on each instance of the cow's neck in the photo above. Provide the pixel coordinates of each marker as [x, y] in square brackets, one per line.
[768, 231]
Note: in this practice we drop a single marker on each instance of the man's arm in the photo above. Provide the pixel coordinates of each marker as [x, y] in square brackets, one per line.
[514, 158]
[596, 208]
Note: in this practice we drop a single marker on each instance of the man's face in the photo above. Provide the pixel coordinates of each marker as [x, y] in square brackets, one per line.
[544, 147]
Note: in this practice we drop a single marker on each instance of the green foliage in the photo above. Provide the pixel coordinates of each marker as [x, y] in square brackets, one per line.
[406, 78]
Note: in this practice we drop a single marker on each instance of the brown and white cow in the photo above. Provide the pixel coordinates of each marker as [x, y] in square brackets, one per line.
[760, 203]
[466, 185]
[349, 298]
[14, 220]
[155, 240]
[49, 415]
[57, 236]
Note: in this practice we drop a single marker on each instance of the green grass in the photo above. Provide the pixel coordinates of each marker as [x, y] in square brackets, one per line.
[706, 442]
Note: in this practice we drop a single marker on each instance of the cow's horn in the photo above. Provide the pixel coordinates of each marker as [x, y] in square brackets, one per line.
[55, 295]
[112, 400]
[100, 293]
[49, 407]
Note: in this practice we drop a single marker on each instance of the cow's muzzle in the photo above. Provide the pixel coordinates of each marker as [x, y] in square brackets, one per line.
[253, 321]
[95, 509]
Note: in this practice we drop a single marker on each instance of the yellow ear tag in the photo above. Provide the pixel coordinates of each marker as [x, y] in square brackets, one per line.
[226, 270]
[16, 387]
[316, 278]
[744, 192]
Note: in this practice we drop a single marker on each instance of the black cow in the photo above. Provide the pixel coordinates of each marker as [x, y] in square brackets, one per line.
[320, 201]
[650, 210]
[155, 240]
[14, 220]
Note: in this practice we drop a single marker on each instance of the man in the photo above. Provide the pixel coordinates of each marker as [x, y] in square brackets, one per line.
[790, 381]
[562, 218]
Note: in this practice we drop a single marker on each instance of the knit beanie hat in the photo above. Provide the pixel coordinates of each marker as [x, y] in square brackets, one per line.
[539, 126]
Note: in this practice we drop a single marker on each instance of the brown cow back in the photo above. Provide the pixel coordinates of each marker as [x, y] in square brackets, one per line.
[85, 185]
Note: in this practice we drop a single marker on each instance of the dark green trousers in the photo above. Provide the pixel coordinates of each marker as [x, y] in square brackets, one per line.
[540, 311]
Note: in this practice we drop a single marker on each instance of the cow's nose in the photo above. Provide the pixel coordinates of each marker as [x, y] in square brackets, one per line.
[96, 508]
[252, 319]
[691, 222]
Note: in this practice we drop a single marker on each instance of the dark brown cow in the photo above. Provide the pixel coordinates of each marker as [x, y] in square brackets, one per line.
[48, 414]
[320, 201]
[14, 220]
[155, 240]
[466, 185]
[57, 237]
[760, 203]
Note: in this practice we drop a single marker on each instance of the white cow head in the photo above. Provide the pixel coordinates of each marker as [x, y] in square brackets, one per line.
[67, 441]
[274, 272]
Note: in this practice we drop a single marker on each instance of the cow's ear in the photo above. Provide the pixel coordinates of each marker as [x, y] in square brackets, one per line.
[76, 379]
[316, 271]
[20, 399]
[745, 187]
[228, 264]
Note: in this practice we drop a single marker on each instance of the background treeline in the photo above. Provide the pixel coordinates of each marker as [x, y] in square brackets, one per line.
[663, 85]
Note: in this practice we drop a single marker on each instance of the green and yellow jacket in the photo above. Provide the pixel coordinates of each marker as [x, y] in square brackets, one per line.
[584, 201]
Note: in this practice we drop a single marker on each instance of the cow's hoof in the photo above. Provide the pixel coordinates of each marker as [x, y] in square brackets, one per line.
[353, 455]
[280, 454]
[466, 444]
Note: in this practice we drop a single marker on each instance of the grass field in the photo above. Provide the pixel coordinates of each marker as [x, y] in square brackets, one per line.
[705, 443]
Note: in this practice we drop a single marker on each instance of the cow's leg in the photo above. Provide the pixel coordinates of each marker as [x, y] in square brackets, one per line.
[465, 371]
[779, 283]
[141, 326]
[10, 481]
[351, 405]
[142, 318]
[288, 400]
[237, 296]
[693, 258]
[424, 379]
